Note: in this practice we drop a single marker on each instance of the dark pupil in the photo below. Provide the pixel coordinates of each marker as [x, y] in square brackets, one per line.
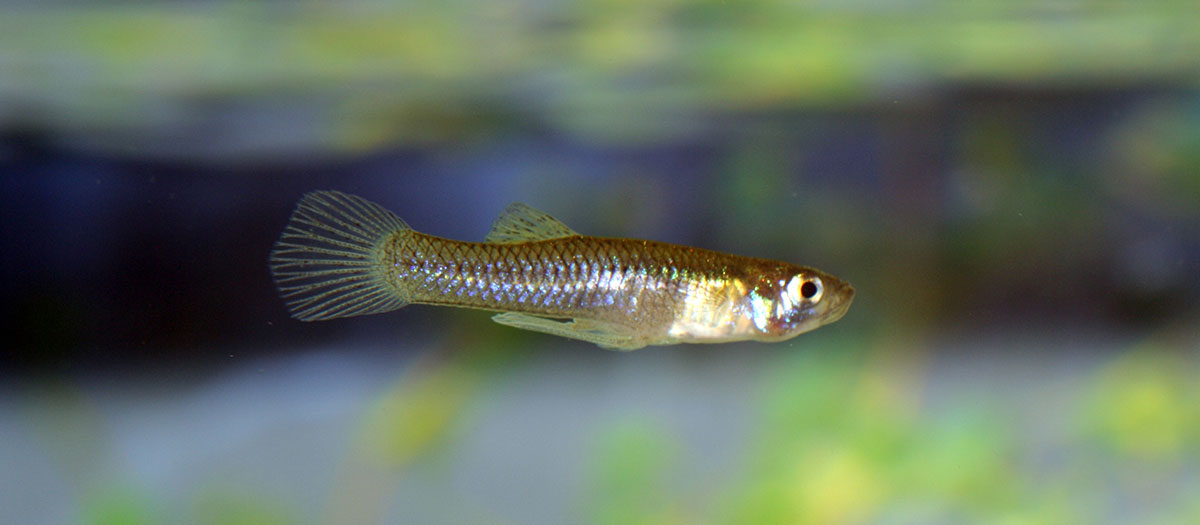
[808, 289]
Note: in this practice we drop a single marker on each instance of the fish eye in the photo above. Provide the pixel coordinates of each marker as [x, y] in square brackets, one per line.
[805, 289]
[809, 289]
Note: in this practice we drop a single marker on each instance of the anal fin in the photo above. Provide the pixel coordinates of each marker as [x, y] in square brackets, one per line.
[607, 335]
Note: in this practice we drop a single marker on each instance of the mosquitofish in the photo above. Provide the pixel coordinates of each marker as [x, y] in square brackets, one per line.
[341, 255]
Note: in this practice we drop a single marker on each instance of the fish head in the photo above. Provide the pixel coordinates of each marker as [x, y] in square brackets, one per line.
[792, 300]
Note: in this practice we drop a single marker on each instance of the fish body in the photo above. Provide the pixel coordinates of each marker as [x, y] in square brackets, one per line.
[342, 255]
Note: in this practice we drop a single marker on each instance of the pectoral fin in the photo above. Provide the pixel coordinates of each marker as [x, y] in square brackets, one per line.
[607, 335]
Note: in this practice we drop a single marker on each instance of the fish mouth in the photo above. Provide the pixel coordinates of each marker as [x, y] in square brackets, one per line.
[845, 296]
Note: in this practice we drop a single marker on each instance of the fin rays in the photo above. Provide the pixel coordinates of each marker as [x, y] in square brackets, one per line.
[606, 335]
[328, 262]
[522, 223]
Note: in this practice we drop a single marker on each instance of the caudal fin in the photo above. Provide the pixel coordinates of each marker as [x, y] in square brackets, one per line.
[329, 263]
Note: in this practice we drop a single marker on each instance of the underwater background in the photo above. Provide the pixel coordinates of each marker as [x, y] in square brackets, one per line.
[1013, 187]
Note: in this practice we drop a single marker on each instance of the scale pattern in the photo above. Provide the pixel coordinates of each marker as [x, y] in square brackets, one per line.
[634, 283]
[341, 255]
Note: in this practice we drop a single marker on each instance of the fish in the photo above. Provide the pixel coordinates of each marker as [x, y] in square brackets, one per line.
[341, 255]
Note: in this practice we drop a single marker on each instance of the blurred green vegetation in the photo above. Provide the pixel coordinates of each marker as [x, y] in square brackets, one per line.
[844, 441]
[224, 506]
[844, 430]
[843, 438]
[372, 73]
[843, 433]
[120, 506]
[227, 506]
[1145, 408]
[631, 482]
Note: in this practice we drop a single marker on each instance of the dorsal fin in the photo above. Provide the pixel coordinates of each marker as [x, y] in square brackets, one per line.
[521, 223]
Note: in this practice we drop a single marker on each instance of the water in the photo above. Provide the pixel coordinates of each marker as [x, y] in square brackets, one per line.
[1018, 211]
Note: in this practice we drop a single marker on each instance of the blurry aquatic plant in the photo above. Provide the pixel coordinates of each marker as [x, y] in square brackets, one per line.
[228, 506]
[364, 74]
[413, 419]
[416, 417]
[811, 463]
[420, 409]
[630, 471]
[1139, 431]
[416, 414]
[843, 440]
[120, 505]
[1145, 407]
[1153, 157]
